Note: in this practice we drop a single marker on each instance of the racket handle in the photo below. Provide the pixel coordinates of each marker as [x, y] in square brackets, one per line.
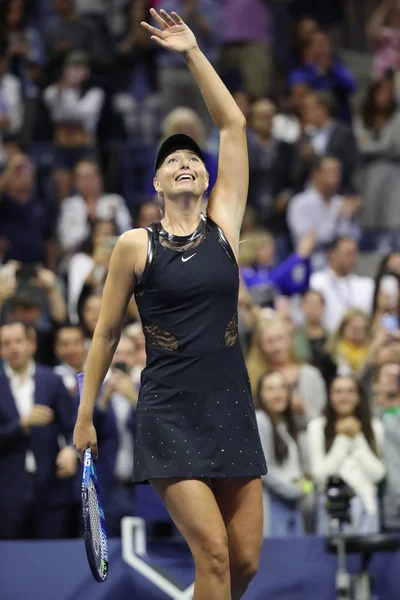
[80, 383]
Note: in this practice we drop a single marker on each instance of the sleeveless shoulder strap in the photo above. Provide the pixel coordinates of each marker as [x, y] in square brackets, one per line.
[152, 236]
[223, 241]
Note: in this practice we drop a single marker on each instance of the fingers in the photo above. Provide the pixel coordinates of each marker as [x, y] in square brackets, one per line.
[177, 18]
[159, 19]
[160, 42]
[167, 18]
[153, 30]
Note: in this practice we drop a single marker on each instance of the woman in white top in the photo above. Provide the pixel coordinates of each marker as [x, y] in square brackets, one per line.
[347, 443]
[283, 486]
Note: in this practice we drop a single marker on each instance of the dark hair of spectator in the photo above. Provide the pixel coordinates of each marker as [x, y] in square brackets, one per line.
[362, 412]
[319, 161]
[368, 105]
[29, 330]
[87, 245]
[28, 297]
[335, 243]
[280, 446]
[381, 272]
[327, 101]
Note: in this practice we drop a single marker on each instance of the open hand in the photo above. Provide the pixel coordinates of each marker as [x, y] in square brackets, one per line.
[174, 34]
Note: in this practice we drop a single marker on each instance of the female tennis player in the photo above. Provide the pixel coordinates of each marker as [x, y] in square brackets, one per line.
[196, 437]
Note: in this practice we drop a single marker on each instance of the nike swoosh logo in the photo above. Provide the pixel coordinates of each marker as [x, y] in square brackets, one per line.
[188, 258]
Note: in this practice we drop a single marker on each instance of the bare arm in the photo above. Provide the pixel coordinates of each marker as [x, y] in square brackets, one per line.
[228, 199]
[127, 259]
[377, 20]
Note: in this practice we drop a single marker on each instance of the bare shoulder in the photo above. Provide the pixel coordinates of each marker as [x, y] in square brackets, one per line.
[131, 247]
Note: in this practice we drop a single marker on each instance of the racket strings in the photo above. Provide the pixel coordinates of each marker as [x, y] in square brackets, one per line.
[95, 523]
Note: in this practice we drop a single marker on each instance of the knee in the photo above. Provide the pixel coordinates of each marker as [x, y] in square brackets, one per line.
[213, 556]
[244, 570]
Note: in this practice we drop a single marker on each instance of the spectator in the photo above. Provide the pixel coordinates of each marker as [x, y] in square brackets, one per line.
[325, 136]
[305, 29]
[284, 485]
[246, 43]
[176, 82]
[147, 213]
[311, 339]
[386, 303]
[88, 205]
[324, 73]
[288, 124]
[348, 443]
[321, 209]
[349, 347]
[378, 132]
[41, 308]
[71, 353]
[341, 288]
[272, 348]
[74, 107]
[90, 263]
[89, 315]
[376, 119]
[383, 30]
[11, 105]
[119, 397]
[24, 44]
[264, 277]
[135, 53]
[387, 393]
[26, 225]
[64, 34]
[185, 120]
[270, 160]
[35, 474]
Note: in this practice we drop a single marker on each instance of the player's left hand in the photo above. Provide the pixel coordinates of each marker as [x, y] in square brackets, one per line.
[66, 463]
[174, 34]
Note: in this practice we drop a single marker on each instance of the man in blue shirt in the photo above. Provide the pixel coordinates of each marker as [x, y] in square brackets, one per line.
[324, 73]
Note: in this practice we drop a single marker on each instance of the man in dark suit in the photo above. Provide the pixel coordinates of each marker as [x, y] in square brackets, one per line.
[36, 460]
[270, 160]
[325, 136]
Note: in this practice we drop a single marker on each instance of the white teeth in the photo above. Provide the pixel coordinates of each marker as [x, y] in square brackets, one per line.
[181, 177]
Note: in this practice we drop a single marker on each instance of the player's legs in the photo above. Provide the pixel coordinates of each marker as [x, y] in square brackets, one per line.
[240, 503]
[194, 510]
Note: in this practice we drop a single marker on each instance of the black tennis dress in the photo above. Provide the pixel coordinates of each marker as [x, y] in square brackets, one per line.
[195, 415]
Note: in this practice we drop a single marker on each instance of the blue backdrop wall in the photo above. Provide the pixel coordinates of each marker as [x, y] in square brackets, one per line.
[297, 569]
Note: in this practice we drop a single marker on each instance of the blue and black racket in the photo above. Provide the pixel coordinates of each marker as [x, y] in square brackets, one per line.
[94, 530]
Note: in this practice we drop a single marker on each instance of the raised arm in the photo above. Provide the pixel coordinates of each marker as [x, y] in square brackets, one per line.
[128, 258]
[228, 199]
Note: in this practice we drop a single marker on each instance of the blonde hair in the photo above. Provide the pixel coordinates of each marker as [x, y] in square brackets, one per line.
[251, 245]
[257, 362]
[171, 123]
[333, 344]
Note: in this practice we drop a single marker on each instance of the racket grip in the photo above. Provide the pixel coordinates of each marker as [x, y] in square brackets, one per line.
[80, 383]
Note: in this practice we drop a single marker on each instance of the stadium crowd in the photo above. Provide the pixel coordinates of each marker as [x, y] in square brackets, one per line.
[84, 101]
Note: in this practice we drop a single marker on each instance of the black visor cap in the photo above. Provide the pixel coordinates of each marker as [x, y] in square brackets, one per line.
[179, 141]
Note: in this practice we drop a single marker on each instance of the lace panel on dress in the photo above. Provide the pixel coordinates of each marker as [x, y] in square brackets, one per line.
[175, 245]
[159, 337]
[231, 331]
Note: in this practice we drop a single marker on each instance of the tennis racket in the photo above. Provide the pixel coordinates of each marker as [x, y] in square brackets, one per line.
[94, 531]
